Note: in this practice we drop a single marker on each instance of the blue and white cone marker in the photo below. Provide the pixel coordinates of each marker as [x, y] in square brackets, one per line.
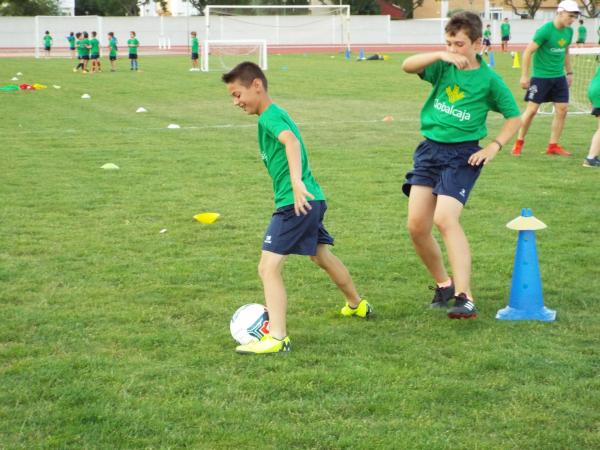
[361, 54]
[492, 61]
[347, 53]
[526, 300]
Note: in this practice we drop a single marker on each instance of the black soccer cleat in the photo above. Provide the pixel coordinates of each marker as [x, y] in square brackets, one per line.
[441, 297]
[463, 308]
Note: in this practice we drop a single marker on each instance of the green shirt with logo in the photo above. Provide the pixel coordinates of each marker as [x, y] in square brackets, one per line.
[581, 33]
[505, 29]
[95, 50]
[47, 40]
[271, 123]
[549, 58]
[112, 44]
[487, 33]
[457, 107]
[195, 45]
[594, 90]
[133, 46]
[85, 43]
[71, 40]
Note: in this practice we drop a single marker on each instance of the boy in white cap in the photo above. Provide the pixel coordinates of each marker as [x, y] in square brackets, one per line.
[552, 75]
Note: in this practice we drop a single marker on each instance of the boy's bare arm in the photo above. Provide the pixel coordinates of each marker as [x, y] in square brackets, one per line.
[292, 152]
[485, 155]
[418, 63]
[529, 50]
[568, 67]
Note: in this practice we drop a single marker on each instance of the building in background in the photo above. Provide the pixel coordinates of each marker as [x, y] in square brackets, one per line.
[67, 7]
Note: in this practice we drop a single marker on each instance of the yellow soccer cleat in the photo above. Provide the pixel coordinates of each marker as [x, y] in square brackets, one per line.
[364, 310]
[268, 344]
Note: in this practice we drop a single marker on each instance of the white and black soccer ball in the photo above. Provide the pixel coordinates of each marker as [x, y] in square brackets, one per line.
[249, 323]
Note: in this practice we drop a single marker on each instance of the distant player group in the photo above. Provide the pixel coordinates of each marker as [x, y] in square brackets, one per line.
[87, 48]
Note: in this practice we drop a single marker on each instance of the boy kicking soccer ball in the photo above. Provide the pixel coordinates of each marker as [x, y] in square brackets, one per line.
[448, 162]
[297, 224]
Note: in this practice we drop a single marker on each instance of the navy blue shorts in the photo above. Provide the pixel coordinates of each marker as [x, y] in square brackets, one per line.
[112, 58]
[133, 56]
[289, 234]
[47, 48]
[487, 43]
[444, 167]
[194, 56]
[596, 112]
[94, 56]
[505, 38]
[86, 57]
[542, 90]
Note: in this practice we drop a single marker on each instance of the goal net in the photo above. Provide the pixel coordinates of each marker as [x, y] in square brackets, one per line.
[584, 62]
[224, 55]
[280, 25]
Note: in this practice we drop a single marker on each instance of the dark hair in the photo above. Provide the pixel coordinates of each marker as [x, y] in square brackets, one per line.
[78, 34]
[110, 33]
[132, 32]
[71, 34]
[465, 21]
[245, 73]
[581, 21]
[93, 33]
[85, 34]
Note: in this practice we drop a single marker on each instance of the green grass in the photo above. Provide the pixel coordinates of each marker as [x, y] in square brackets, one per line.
[113, 335]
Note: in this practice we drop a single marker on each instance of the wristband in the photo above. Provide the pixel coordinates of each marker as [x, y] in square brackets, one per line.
[499, 144]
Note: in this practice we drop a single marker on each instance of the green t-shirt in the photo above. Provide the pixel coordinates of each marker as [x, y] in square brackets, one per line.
[85, 50]
[113, 46]
[594, 90]
[47, 40]
[457, 107]
[271, 123]
[581, 33]
[71, 40]
[549, 59]
[133, 46]
[79, 45]
[487, 33]
[195, 45]
[95, 50]
[505, 29]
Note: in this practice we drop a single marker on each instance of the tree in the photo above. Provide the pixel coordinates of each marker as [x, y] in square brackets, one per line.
[591, 8]
[112, 7]
[29, 8]
[409, 6]
[531, 6]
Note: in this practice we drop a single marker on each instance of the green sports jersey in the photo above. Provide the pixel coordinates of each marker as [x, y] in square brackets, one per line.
[457, 107]
[487, 34]
[133, 45]
[85, 44]
[594, 90]
[47, 40]
[79, 45]
[271, 123]
[95, 50]
[581, 33]
[71, 40]
[505, 29]
[113, 46]
[549, 58]
[194, 45]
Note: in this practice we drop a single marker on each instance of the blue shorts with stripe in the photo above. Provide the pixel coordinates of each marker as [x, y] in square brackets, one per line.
[542, 90]
[445, 168]
[289, 234]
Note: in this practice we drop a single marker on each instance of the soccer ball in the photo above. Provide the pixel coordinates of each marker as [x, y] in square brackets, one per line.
[249, 323]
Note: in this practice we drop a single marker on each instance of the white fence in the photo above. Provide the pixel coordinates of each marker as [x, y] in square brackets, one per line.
[27, 32]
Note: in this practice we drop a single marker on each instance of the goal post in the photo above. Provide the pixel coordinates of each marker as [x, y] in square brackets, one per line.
[280, 25]
[584, 63]
[225, 54]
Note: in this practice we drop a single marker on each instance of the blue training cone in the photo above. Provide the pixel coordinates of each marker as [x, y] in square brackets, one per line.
[526, 300]
[347, 53]
[492, 63]
[361, 54]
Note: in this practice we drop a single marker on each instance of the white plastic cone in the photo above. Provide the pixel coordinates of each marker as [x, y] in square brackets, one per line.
[86, 96]
[141, 109]
[173, 126]
[110, 166]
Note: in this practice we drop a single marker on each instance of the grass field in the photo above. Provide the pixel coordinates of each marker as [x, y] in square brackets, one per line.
[113, 335]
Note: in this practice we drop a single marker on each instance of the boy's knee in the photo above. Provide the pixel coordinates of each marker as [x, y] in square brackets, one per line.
[265, 269]
[561, 110]
[444, 222]
[417, 229]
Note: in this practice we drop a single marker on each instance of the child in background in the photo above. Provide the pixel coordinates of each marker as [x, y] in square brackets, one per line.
[112, 56]
[194, 43]
[95, 52]
[71, 39]
[487, 39]
[133, 44]
[79, 45]
[594, 95]
[47, 43]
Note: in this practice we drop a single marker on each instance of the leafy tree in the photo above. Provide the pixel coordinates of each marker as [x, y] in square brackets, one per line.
[591, 8]
[29, 8]
[363, 7]
[409, 6]
[531, 6]
[112, 7]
